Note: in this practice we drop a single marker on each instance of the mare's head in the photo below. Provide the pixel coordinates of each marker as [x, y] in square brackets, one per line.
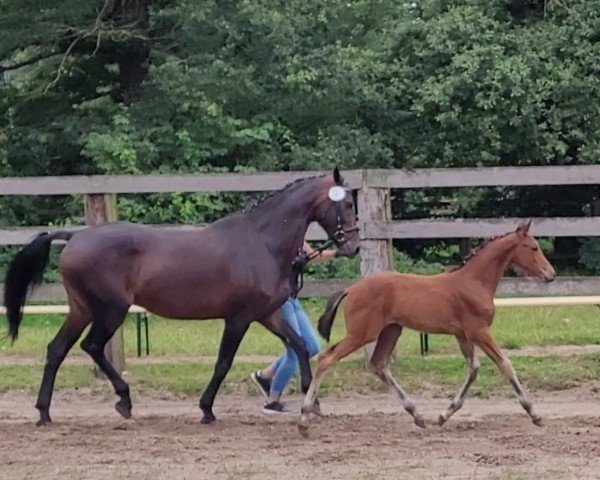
[528, 256]
[335, 213]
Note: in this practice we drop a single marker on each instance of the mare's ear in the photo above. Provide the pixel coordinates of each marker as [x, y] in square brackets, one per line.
[523, 227]
[337, 177]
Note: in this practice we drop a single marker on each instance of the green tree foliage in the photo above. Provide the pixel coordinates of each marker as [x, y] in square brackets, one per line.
[133, 86]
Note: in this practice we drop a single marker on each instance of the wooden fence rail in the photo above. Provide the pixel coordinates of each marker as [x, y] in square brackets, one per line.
[482, 177]
[509, 287]
[251, 182]
[204, 182]
[23, 235]
[386, 229]
[373, 197]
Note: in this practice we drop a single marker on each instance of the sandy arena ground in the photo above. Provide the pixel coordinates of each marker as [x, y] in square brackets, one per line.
[364, 437]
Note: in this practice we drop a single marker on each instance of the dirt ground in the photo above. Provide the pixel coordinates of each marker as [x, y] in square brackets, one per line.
[364, 437]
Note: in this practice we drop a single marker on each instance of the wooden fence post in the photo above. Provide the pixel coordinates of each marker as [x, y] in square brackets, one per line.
[101, 208]
[375, 255]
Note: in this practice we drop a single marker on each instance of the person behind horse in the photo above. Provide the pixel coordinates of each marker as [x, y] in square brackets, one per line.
[272, 380]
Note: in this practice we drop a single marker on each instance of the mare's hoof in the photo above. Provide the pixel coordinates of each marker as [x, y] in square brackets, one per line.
[123, 407]
[303, 430]
[43, 422]
[441, 420]
[419, 422]
[207, 420]
[537, 420]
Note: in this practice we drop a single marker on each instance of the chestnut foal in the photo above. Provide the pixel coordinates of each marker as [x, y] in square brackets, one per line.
[458, 303]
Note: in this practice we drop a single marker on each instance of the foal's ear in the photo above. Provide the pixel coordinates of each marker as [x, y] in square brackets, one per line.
[523, 227]
[336, 176]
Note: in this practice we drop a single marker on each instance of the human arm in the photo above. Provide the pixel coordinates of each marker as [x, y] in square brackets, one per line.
[321, 257]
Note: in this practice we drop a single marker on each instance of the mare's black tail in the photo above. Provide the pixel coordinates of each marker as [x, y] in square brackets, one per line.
[326, 320]
[24, 273]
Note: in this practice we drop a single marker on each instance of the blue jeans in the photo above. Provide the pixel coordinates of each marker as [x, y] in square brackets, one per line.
[286, 365]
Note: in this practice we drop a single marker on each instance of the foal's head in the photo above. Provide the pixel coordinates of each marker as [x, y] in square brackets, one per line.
[528, 257]
[335, 213]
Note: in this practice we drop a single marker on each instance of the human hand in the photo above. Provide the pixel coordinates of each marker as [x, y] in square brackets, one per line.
[300, 260]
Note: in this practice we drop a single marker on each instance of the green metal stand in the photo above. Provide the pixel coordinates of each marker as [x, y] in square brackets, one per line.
[142, 318]
[424, 344]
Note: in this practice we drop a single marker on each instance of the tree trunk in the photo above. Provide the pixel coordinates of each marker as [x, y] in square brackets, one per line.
[133, 55]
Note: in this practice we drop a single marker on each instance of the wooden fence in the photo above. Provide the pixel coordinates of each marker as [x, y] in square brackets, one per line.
[374, 210]
[373, 192]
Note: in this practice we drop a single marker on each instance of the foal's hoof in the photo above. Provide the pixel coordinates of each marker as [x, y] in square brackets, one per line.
[303, 430]
[441, 420]
[537, 420]
[316, 409]
[124, 408]
[419, 422]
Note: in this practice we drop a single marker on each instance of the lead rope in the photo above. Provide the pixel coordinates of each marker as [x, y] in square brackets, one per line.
[299, 264]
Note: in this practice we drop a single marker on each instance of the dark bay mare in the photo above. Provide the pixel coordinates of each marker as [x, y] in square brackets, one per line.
[238, 268]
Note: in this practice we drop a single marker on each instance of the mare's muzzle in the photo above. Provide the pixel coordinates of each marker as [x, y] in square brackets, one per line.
[339, 236]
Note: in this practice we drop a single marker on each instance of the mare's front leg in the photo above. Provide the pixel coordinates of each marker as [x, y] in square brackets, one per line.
[232, 336]
[485, 341]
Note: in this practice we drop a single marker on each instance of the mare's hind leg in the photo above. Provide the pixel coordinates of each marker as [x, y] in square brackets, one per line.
[485, 341]
[380, 362]
[230, 341]
[325, 361]
[57, 351]
[105, 324]
[468, 350]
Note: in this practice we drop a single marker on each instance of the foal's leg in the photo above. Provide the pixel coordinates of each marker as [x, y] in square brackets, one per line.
[57, 351]
[106, 322]
[380, 362]
[326, 359]
[485, 341]
[468, 350]
[232, 336]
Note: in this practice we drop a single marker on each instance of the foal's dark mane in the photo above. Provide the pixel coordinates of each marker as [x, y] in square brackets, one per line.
[292, 186]
[475, 250]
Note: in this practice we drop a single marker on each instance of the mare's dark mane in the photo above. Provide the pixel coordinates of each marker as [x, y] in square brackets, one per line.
[266, 198]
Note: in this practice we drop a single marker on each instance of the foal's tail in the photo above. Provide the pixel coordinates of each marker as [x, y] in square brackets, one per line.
[24, 273]
[326, 320]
